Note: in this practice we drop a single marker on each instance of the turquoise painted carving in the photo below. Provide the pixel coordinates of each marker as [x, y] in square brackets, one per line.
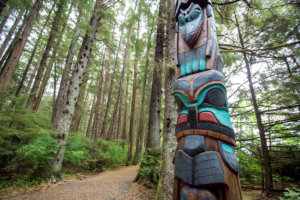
[195, 65]
[227, 148]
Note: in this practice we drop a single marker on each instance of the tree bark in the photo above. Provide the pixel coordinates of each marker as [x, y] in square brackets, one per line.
[31, 79]
[64, 79]
[88, 130]
[64, 116]
[111, 83]
[170, 112]
[54, 84]
[140, 133]
[47, 74]
[50, 43]
[76, 119]
[10, 33]
[33, 52]
[11, 47]
[123, 73]
[119, 118]
[132, 112]
[124, 130]
[265, 151]
[98, 110]
[13, 60]
[5, 58]
[153, 139]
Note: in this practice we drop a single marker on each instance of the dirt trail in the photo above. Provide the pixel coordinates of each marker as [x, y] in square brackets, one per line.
[113, 185]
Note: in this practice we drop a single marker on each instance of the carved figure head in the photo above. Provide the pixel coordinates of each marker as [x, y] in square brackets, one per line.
[190, 22]
[202, 104]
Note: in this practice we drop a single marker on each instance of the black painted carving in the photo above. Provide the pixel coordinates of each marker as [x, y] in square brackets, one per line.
[208, 126]
[204, 169]
[229, 157]
[192, 110]
[184, 167]
[194, 144]
[205, 77]
[216, 97]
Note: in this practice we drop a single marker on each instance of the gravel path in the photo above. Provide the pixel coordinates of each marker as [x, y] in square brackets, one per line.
[113, 185]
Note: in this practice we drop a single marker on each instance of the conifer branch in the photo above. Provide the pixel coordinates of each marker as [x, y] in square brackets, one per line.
[244, 50]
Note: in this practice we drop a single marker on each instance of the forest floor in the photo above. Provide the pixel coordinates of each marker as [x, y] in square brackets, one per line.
[110, 185]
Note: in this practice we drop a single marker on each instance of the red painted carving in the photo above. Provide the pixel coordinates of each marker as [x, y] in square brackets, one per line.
[182, 119]
[208, 117]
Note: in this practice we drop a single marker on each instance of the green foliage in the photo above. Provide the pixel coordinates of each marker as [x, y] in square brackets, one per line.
[291, 194]
[37, 153]
[79, 153]
[114, 151]
[27, 147]
[78, 150]
[150, 166]
[250, 167]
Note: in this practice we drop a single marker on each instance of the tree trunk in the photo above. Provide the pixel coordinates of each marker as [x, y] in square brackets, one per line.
[13, 60]
[111, 83]
[140, 133]
[132, 114]
[64, 80]
[47, 74]
[124, 130]
[64, 116]
[98, 110]
[54, 83]
[170, 112]
[119, 118]
[83, 119]
[88, 130]
[153, 139]
[123, 73]
[265, 151]
[33, 53]
[8, 52]
[10, 33]
[50, 43]
[31, 79]
[78, 106]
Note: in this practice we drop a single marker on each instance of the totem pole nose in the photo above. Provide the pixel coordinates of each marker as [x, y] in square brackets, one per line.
[193, 115]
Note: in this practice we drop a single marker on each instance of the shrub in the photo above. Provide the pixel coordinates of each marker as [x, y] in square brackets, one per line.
[250, 167]
[291, 194]
[114, 151]
[37, 154]
[150, 166]
[78, 150]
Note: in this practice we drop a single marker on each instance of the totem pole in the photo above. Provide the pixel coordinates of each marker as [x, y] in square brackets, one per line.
[206, 167]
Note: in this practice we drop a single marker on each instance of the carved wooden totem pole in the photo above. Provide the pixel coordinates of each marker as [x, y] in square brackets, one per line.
[206, 167]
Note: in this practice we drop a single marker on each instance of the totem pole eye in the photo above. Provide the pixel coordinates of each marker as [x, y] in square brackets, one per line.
[195, 15]
[181, 21]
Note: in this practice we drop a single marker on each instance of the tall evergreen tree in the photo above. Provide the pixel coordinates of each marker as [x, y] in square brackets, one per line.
[49, 46]
[63, 118]
[153, 139]
[13, 60]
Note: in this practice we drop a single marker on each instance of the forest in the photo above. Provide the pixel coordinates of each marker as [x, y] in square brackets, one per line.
[86, 88]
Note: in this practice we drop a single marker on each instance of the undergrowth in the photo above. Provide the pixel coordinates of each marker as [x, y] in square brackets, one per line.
[27, 147]
[149, 170]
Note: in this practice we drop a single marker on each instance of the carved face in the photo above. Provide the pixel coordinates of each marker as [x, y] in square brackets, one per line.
[190, 23]
[202, 102]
